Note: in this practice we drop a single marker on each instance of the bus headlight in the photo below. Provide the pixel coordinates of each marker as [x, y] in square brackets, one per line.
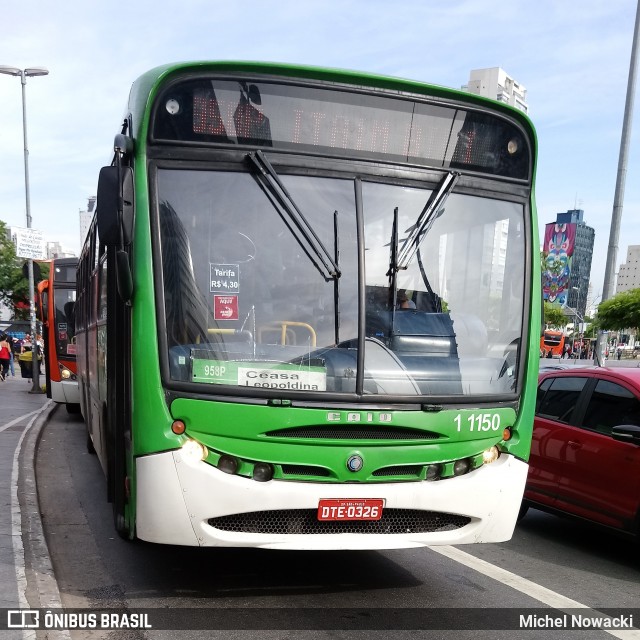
[434, 471]
[262, 472]
[460, 467]
[490, 455]
[228, 464]
[193, 451]
[65, 373]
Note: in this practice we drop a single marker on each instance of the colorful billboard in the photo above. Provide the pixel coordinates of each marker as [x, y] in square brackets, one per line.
[557, 256]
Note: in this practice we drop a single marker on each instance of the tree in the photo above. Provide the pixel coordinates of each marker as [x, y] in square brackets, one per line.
[553, 316]
[14, 287]
[620, 312]
[592, 327]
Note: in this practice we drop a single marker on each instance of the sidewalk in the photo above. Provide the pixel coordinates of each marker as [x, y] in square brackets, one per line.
[23, 415]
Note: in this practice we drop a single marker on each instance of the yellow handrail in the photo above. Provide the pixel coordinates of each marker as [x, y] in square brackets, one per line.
[283, 325]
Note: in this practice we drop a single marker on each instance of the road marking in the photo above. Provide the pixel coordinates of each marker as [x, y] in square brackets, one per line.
[536, 591]
[54, 600]
[20, 418]
[16, 522]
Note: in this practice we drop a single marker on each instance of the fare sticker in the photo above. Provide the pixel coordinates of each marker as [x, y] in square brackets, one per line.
[224, 278]
[225, 307]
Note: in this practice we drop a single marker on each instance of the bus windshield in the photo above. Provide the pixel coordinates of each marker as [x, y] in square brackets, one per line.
[245, 304]
[64, 330]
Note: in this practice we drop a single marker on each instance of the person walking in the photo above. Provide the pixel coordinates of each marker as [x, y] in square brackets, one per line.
[12, 353]
[5, 357]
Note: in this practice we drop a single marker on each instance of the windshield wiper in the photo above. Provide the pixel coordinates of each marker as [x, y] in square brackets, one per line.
[299, 226]
[401, 258]
[432, 210]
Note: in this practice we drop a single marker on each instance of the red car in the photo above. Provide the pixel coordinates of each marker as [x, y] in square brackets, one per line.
[585, 454]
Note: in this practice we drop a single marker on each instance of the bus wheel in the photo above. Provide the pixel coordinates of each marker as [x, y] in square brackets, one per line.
[90, 448]
[120, 489]
[120, 524]
[116, 479]
[119, 509]
[120, 499]
[524, 507]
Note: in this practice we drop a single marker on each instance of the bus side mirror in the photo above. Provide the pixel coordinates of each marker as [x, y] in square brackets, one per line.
[43, 299]
[110, 189]
[115, 183]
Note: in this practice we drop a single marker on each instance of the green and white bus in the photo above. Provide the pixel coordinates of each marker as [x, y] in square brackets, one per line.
[308, 311]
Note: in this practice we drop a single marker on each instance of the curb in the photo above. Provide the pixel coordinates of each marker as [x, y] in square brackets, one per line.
[42, 588]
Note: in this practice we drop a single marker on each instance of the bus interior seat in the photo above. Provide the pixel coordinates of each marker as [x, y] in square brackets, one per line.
[415, 332]
[471, 334]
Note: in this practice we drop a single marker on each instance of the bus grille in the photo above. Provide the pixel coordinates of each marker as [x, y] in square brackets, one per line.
[304, 521]
[351, 432]
[304, 470]
[407, 470]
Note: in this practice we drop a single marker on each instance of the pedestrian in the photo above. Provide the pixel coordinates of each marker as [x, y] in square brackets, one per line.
[5, 357]
[12, 351]
[619, 353]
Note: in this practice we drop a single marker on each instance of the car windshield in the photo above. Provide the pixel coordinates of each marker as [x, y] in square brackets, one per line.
[246, 304]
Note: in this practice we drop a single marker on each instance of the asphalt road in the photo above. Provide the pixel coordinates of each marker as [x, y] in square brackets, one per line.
[550, 562]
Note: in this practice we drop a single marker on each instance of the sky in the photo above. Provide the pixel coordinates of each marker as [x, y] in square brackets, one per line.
[572, 57]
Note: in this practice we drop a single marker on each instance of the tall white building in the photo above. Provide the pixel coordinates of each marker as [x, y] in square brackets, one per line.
[495, 83]
[85, 219]
[629, 272]
[56, 250]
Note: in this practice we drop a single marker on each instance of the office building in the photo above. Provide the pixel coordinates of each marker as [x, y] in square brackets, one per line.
[85, 219]
[629, 272]
[495, 83]
[56, 250]
[567, 252]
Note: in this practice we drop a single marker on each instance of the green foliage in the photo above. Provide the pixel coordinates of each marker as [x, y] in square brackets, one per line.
[14, 288]
[592, 328]
[553, 316]
[620, 312]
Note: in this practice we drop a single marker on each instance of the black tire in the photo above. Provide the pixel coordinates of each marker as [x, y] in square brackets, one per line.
[90, 448]
[72, 408]
[119, 490]
[524, 507]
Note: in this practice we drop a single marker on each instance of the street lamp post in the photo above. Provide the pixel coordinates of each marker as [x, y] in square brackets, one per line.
[24, 74]
[578, 316]
[577, 307]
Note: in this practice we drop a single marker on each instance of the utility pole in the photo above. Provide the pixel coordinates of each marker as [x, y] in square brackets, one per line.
[616, 215]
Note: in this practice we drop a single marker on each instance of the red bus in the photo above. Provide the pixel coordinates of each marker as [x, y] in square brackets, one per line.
[553, 341]
[57, 297]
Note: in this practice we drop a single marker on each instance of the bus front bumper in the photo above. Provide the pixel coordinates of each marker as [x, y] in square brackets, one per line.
[66, 392]
[176, 499]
